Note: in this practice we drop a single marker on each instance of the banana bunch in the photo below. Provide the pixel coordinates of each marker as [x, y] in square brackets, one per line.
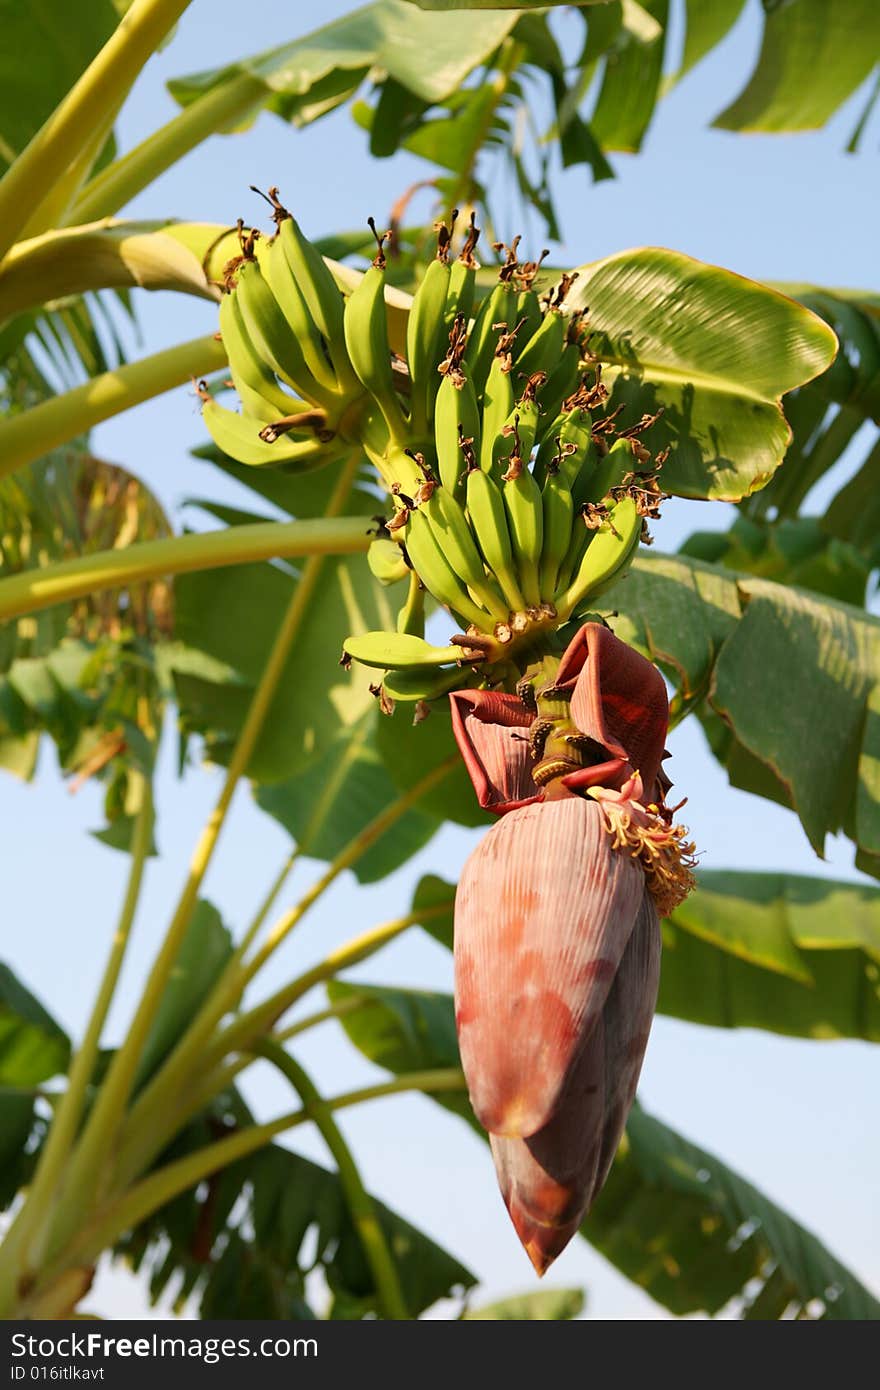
[282, 325]
[527, 503]
[516, 501]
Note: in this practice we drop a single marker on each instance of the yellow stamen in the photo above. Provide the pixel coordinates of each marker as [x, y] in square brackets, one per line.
[664, 851]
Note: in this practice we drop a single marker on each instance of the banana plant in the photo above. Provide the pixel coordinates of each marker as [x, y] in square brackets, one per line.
[485, 454]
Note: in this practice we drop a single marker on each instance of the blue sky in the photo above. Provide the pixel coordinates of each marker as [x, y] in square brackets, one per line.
[791, 1116]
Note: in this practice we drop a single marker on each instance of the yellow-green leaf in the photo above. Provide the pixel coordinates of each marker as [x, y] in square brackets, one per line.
[715, 351]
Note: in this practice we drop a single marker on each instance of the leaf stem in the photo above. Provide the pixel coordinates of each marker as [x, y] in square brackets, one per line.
[360, 1203]
[120, 181]
[346, 857]
[337, 1010]
[74, 121]
[34, 589]
[173, 1096]
[31, 433]
[70, 1107]
[160, 1187]
[269, 900]
[97, 1141]
[228, 989]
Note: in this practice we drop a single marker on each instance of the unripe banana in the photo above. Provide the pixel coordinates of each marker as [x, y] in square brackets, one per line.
[462, 278]
[542, 350]
[455, 539]
[567, 448]
[525, 516]
[608, 472]
[273, 336]
[385, 558]
[528, 313]
[497, 407]
[560, 384]
[498, 307]
[281, 281]
[460, 292]
[398, 651]
[456, 417]
[411, 618]
[239, 437]
[366, 337]
[322, 295]
[594, 482]
[488, 519]
[260, 393]
[426, 341]
[558, 510]
[434, 570]
[411, 685]
[608, 555]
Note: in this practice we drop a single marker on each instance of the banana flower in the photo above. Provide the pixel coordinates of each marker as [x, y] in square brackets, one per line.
[557, 931]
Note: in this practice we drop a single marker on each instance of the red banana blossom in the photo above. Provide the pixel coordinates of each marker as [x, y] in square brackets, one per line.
[557, 936]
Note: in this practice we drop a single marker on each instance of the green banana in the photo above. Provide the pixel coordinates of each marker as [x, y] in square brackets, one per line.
[566, 448]
[321, 293]
[273, 336]
[497, 407]
[528, 313]
[560, 384]
[558, 510]
[239, 437]
[411, 618]
[282, 282]
[608, 472]
[411, 685]
[426, 339]
[499, 306]
[398, 651]
[366, 337]
[525, 512]
[456, 417]
[462, 278]
[596, 478]
[488, 518]
[260, 393]
[460, 293]
[608, 554]
[435, 572]
[542, 350]
[385, 558]
[455, 539]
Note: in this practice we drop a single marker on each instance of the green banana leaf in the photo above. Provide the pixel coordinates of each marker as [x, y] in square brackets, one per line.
[672, 1217]
[714, 351]
[547, 1305]
[242, 1245]
[788, 550]
[205, 951]
[337, 796]
[697, 1236]
[795, 678]
[311, 75]
[33, 1047]
[229, 619]
[793, 955]
[813, 57]
[631, 79]
[16, 1125]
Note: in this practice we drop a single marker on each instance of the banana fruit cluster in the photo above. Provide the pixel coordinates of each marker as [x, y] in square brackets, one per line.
[516, 501]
